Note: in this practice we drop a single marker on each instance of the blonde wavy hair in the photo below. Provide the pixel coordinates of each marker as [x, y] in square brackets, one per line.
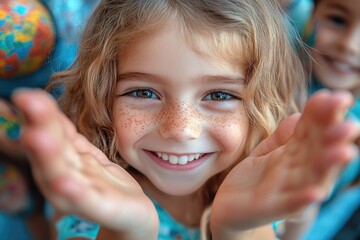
[255, 33]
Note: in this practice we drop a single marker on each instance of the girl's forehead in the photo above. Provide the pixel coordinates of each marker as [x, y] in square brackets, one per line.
[222, 50]
[223, 46]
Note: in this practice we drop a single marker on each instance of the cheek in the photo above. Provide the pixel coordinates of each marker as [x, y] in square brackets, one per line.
[325, 38]
[230, 130]
[132, 124]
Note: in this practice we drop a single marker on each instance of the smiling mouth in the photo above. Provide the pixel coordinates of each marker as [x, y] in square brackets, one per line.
[340, 66]
[178, 159]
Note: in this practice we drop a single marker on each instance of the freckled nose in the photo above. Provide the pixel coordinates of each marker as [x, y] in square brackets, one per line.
[180, 122]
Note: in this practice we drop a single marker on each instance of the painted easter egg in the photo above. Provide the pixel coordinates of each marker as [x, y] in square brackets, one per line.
[27, 37]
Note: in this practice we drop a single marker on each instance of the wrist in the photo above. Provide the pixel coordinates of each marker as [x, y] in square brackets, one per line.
[211, 229]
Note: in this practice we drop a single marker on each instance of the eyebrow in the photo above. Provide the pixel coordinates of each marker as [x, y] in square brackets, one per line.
[226, 79]
[203, 79]
[338, 7]
[139, 75]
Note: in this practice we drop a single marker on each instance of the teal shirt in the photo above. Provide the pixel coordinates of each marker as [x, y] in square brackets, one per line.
[73, 226]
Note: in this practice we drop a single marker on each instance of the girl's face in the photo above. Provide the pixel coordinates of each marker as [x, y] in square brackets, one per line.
[179, 117]
[337, 44]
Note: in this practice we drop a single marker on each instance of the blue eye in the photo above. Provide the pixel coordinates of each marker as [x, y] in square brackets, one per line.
[143, 93]
[218, 96]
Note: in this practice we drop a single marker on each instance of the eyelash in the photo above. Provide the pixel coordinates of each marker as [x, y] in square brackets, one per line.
[226, 96]
[133, 93]
[336, 20]
[219, 93]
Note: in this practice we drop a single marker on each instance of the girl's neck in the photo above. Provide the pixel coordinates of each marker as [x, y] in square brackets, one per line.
[187, 209]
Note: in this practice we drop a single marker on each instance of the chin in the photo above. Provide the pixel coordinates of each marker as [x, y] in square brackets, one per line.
[176, 189]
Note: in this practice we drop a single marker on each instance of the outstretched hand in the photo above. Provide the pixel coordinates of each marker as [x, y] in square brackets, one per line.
[75, 176]
[293, 168]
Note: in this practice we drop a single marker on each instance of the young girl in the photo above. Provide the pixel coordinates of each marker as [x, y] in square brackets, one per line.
[174, 98]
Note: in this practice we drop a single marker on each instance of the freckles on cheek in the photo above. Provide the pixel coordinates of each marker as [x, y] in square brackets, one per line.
[132, 122]
[230, 129]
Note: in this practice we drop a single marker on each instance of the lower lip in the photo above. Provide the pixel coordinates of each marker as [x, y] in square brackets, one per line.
[177, 167]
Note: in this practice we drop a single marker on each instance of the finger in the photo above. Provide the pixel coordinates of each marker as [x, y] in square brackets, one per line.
[35, 104]
[346, 132]
[321, 110]
[44, 135]
[41, 109]
[321, 127]
[281, 136]
[323, 174]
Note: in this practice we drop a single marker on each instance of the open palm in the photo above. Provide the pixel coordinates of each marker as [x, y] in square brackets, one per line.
[74, 175]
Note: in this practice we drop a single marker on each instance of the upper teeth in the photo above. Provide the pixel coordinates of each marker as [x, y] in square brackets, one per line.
[342, 66]
[182, 160]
